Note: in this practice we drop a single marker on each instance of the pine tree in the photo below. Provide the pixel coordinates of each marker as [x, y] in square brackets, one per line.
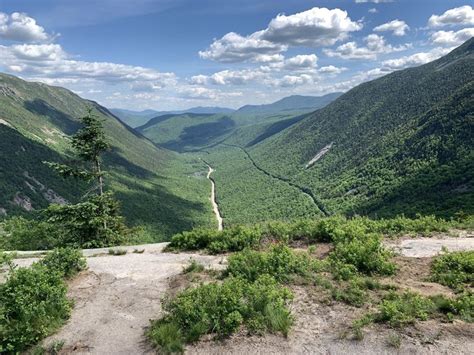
[95, 222]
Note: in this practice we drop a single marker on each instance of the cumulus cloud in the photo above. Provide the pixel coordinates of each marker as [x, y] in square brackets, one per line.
[51, 61]
[20, 27]
[298, 63]
[314, 27]
[229, 77]
[375, 45]
[331, 69]
[293, 80]
[38, 52]
[202, 93]
[463, 15]
[398, 27]
[373, 10]
[236, 48]
[452, 38]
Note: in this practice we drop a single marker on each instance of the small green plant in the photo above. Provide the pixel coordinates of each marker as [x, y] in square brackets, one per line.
[117, 251]
[215, 242]
[280, 261]
[167, 336]
[399, 310]
[66, 261]
[193, 266]
[455, 270]
[394, 340]
[364, 251]
[33, 304]
[221, 309]
[353, 293]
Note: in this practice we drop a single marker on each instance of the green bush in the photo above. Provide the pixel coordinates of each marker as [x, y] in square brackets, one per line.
[461, 306]
[66, 261]
[365, 252]
[33, 304]
[454, 270]
[221, 309]
[18, 233]
[167, 336]
[233, 239]
[401, 309]
[280, 262]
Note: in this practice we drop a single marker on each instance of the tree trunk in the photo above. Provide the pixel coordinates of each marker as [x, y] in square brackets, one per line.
[101, 185]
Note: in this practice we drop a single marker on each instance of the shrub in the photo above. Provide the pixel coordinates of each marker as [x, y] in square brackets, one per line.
[353, 293]
[365, 252]
[280, 261]
[461, 306]
[66, 261]
[26, 234]
[233, 239]
[95, 223]
[401, 309]
[193, 266]
[454, 270]
[33, 304]
[221, 309]
[167, 336]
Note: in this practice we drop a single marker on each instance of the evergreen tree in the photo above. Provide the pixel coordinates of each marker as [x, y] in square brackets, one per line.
[95, 222]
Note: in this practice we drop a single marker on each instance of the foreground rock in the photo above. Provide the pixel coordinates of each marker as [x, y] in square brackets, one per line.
[116, 297]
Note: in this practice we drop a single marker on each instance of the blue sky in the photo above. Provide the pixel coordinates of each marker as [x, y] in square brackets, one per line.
[174, 54]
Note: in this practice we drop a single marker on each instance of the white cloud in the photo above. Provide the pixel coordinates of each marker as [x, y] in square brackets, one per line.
[331, 69]
[38, 52]
[229, 77]
[375, 45]
[452, 38]
[414, 59]
[373, 10]
[314, 27]
[20, 27]
[298, 63]
[463, 15]
[398, 27]
[293, 80]
[236, 48]
[202, 93]
[50, 61]
[268, 58]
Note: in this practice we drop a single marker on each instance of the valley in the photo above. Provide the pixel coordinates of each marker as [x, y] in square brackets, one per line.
[182, 178]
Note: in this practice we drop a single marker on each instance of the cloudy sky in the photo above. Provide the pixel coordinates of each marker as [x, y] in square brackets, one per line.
[174, 54]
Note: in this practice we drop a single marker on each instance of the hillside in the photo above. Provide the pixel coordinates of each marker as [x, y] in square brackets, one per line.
[291, 103]
[152, 184]
[399, 144]
[185, 132]
[139, 118]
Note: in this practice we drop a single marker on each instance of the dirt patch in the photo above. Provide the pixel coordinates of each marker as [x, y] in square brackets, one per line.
[320, 329]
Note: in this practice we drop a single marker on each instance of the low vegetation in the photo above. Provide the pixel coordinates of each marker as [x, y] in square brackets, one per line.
[455, 270]
[221, 309]
[353, 271]
[33, 301]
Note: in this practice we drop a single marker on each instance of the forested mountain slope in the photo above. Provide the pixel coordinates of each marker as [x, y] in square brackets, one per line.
[403, 143]
[36, 120]
[184, 132]
[291, 103]
[139, 118]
